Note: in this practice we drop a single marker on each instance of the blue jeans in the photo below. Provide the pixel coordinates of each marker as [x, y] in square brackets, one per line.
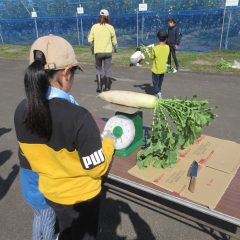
[43, 224]
[157, 80]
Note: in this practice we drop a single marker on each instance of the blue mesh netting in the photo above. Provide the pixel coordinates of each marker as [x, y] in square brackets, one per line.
[200, 21]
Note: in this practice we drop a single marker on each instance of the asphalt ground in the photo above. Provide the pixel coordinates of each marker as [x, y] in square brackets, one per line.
[120, 219]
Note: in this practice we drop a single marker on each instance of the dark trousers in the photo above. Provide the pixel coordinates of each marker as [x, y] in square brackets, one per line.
[172, 53]
[103, 59]
[157, 80]
[78, 221]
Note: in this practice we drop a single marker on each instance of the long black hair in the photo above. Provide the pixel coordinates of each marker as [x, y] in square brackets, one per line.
[38, 119]
[36, 81]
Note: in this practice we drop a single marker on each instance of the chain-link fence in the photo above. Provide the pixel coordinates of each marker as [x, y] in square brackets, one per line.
[204, 24]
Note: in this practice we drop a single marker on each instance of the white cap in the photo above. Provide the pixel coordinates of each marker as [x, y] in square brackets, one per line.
[104, 12]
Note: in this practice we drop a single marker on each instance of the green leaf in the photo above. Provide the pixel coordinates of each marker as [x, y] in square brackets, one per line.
[158, 163]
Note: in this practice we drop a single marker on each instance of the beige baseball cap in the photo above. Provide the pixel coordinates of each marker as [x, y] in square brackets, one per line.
[58, 52]
[104, 12]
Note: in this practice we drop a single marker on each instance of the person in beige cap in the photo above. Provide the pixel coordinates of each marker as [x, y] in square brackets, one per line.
[103, 38]
[60, 142]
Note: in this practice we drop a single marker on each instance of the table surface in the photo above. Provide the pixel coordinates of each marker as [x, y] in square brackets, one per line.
[228, 207]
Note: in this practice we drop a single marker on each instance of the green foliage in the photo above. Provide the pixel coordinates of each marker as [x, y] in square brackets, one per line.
[177, 123]
[146, 50]
[223, 64]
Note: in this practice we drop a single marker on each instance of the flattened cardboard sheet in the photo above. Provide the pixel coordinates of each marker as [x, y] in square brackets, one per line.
[210, 186]
[213, 152]
[172, 179]
[218, 161]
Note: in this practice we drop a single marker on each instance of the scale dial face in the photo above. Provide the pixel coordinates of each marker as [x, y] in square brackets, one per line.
[123, 130]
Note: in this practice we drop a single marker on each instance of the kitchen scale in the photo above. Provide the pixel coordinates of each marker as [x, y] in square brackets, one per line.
[127, 128]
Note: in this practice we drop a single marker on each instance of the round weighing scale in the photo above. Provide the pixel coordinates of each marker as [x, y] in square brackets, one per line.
[123, 129]
[128, 132]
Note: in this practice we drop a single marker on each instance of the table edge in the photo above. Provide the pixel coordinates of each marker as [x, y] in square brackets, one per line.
[183, 202]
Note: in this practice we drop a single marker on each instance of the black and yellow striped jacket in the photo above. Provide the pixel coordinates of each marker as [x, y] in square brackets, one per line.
[71, 163]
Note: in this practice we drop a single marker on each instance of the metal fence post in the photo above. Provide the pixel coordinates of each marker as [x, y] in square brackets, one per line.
[36, 27]
[1, 34]
[220, 47]
[142, 25]
[34, 16]
[80, 11]
[137, 29]
[78, 29]
[228, 28]
[82, 37]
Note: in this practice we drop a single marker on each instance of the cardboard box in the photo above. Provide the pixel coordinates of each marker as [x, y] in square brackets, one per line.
[218, 161]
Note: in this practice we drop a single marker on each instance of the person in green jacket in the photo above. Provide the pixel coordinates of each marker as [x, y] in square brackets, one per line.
[103, 38]
[159, 55]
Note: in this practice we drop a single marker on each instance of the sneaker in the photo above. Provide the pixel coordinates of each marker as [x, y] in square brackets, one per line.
[138, 65]
[174, 70]
[159, 95]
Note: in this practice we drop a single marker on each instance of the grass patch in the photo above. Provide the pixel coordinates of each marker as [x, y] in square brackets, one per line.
[14, 52]
[192, 61]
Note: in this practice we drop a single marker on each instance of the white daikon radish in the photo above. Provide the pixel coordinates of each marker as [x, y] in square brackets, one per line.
[129, 99]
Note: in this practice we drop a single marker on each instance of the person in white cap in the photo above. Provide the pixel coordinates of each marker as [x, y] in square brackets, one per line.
[60, 142]
[103, 38]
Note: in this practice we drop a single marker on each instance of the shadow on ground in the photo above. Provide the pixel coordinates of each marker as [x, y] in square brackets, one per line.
[4, 130]
[146, 87]
[4, 156]
[5, 184]
[110, 220]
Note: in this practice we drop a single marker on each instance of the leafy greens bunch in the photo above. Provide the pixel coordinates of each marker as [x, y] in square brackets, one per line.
[177, 123]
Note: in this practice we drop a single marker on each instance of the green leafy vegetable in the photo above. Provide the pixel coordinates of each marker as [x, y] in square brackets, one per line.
[223, 64]
[146, 50]
[177, 123]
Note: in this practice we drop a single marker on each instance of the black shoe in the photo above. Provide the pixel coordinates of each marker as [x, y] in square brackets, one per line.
[108, 83]
[99, 84]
